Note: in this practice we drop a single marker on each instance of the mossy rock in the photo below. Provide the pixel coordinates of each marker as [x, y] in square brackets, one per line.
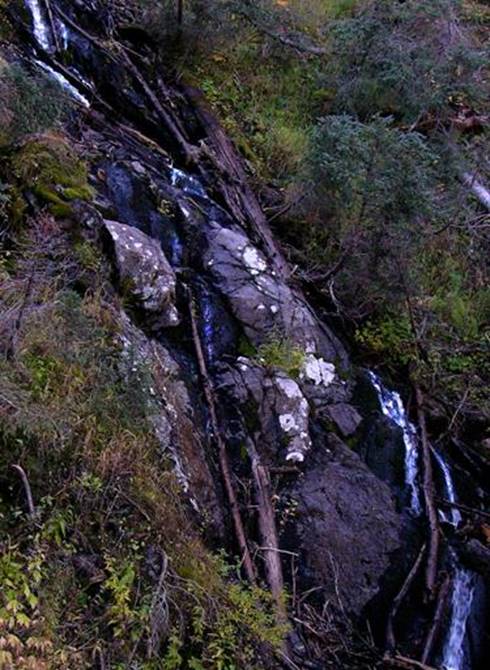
[49, 167]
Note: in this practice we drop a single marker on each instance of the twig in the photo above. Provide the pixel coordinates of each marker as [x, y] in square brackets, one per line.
[390, 633]
[463, 508]
[428, 487]
[27, 489]
[404, 662]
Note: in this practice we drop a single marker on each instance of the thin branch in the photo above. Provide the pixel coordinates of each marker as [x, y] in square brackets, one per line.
[390, 632]
[27, 488]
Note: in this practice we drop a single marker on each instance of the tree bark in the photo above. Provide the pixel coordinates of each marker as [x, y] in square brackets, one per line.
[428, 488]
[232, 181]
[222, 453]
[268, 532]
[27, 490]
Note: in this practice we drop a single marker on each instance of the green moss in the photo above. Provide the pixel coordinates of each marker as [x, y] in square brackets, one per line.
[52, 170]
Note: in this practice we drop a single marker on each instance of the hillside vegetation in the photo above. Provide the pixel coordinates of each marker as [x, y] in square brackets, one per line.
[365, 125]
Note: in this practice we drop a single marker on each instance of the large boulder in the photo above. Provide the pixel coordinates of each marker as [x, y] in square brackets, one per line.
[148, 275]
[262, 302]
[345, 528]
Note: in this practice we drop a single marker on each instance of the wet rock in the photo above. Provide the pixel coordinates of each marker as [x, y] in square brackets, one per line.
[345, 417]
[279, 407]
[260, 300]
[346, 526]
[142, 263]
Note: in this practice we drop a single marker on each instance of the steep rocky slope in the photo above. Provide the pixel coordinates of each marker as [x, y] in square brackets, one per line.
[255, 428]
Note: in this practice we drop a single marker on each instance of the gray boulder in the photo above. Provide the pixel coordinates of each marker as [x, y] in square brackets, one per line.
[346, 526]
[260, 299]
[142, 263]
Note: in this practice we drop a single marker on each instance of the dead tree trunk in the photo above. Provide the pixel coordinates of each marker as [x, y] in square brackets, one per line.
[52, 24]
[222, 453]
[27, 490]
[268, 532]
[233, 182]
[428, 487]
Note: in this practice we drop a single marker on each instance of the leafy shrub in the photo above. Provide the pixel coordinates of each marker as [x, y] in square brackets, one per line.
[283, 354]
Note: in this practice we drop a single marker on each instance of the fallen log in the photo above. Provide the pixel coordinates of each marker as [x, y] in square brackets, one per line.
[235, 189]
[430, 506]
[268, 532]
[437, 620]
[222, 452]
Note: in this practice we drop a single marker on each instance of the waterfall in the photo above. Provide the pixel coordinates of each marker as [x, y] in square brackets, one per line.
[392, 407]
[463, 583]
[453, 516]
[64, 83]
[42, 34]
[461, 602]
[40, 27]
[188, 184]
[207, 318]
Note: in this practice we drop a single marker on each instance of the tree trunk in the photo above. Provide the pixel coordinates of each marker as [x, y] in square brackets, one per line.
[428, 487]
[222, 453]
[268, 532]
[437, 621]
[390, 630]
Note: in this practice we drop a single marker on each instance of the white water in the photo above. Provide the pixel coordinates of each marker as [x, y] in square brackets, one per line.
[64, 83]
[40, 28]
[461, 601]
[190, 185]
[392, 407]
[463, 583]
[453, 516]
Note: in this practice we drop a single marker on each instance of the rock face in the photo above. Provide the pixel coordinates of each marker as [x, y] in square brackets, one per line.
[346, 525]
[149, 276]
[171, 414]
[277, 403]
[261, 300]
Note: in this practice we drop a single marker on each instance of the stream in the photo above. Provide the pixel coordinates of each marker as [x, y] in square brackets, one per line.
[463, 582]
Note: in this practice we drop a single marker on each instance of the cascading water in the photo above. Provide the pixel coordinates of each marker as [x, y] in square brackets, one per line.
[453, 516]
[453, 654]
[64, 83]
[392, 407]
[42, 34]
[188, 184]
[39, 26]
